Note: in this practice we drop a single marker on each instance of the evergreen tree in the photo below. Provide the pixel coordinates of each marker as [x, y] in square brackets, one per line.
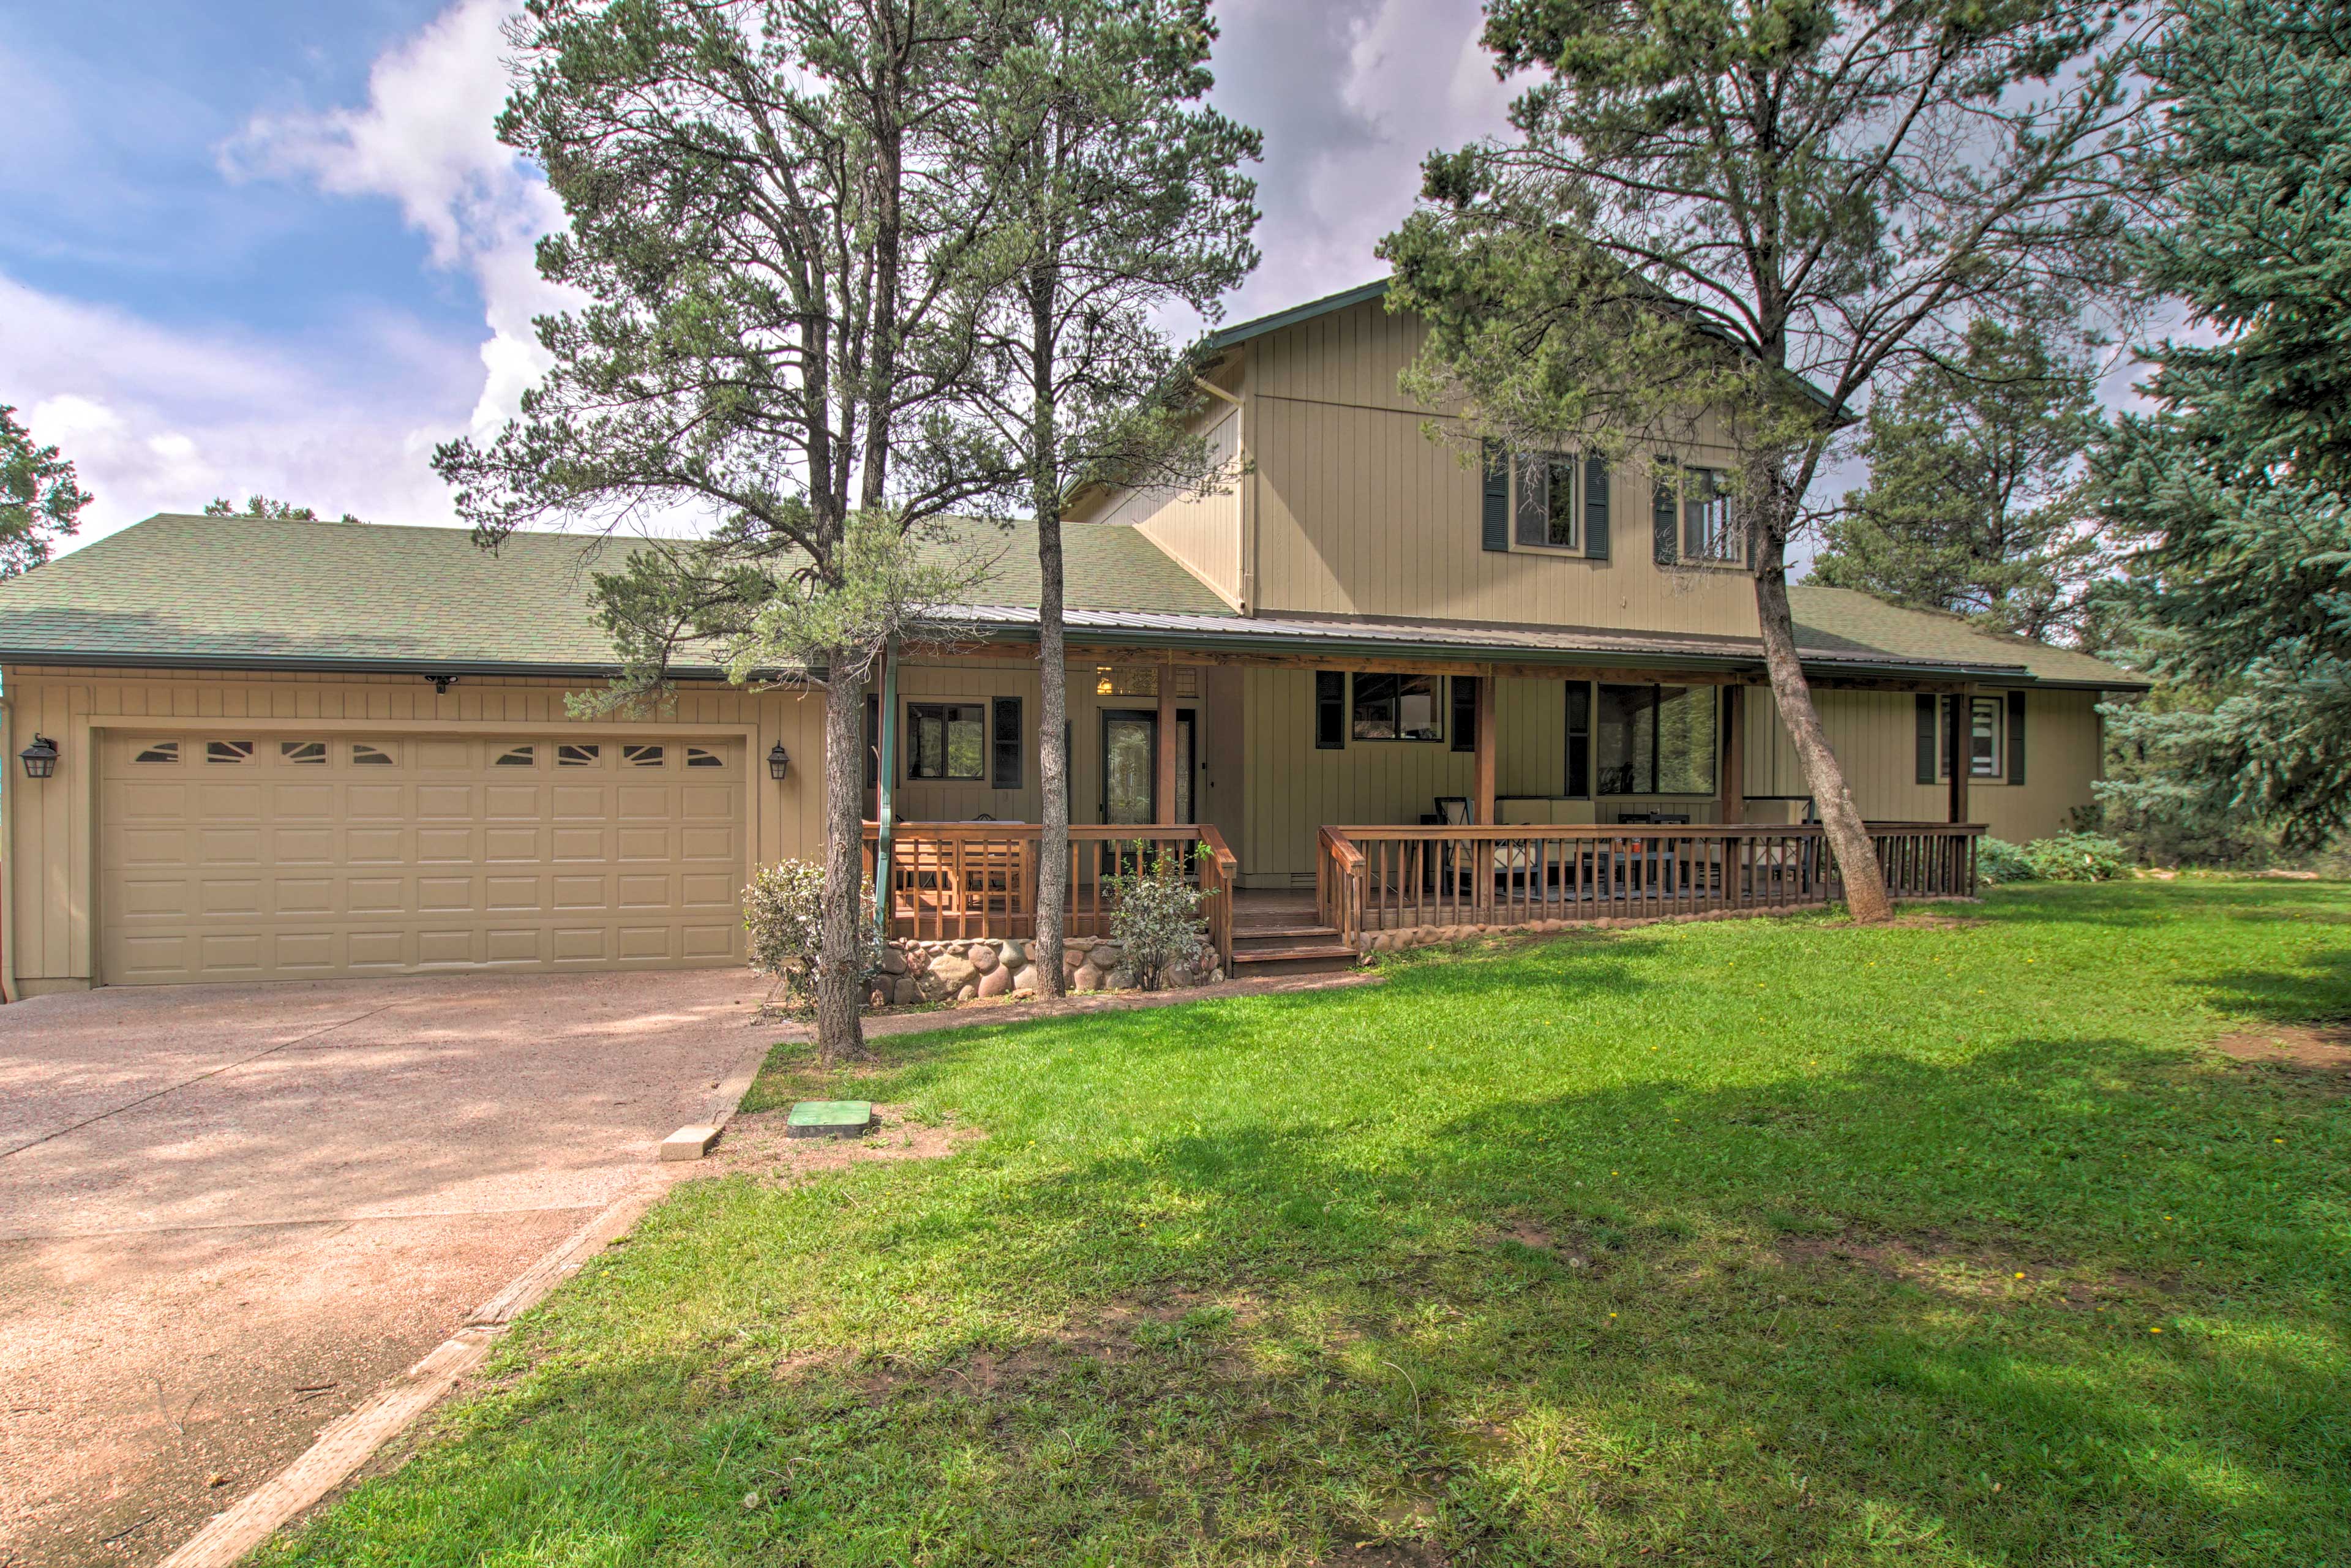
[770, 207]
[2237, 487]
[1977, 501]
[268, 506]
[1729, 222]
[41, 499]
[1119, 193]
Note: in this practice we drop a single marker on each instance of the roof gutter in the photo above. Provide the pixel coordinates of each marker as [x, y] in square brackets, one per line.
[1482, 653]
[418, 668]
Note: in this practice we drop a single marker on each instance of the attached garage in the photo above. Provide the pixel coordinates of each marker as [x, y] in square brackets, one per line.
[252, 854]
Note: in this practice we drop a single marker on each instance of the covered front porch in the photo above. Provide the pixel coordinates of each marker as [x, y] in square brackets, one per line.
[1329, 804]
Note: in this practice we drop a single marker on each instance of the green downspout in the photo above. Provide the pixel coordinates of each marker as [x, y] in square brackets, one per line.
[885, 769]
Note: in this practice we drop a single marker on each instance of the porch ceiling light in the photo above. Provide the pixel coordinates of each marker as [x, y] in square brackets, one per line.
[40, 759]
[779, 761]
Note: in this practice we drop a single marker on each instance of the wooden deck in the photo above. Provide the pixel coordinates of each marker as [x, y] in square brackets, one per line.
[957, 880]
[1375, 878]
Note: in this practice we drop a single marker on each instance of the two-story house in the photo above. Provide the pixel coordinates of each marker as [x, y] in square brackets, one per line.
[1390, 689]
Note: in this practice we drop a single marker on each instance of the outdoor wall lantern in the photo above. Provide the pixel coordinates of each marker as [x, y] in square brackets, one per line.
[778, 761]
[40, 759]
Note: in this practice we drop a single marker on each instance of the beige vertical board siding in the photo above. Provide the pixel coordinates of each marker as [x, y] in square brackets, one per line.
[978, 680]
[2063, 762]
[1294, 790]
[1359, 513]
[54, 825]
[1874, 735]
[1200, 531]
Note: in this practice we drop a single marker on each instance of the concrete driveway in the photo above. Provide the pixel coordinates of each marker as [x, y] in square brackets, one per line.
[227, 1213]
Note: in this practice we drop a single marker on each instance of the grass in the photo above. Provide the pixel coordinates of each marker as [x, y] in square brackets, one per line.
[1774, 1241]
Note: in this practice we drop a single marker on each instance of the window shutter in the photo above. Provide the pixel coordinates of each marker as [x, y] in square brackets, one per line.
[1927, 739]
[1595, 509]
[1665, 527]
[2016, 737]
[1579, 740]
[1494, 516]
[1465, 713]
[1004, 769]
[1330, 710]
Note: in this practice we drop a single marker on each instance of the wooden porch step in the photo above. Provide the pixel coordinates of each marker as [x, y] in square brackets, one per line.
[1269, 933]
[1296, 958]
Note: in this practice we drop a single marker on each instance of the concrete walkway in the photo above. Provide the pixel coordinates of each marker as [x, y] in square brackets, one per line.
[227, 1214]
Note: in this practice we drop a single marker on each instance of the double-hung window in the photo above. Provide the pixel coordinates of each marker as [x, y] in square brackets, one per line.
[945, 740]
[1696, 524]
[1544, 505]
[1986, 758]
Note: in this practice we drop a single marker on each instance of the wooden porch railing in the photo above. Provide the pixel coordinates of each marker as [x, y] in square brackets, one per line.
[1394, 878]
[955, 880]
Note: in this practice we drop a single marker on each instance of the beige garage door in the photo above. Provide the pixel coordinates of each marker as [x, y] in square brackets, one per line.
[251, 854]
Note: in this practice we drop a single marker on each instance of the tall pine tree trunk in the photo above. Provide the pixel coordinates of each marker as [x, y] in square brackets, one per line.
[1052, 765]
[1052, 666]
[1771, 511]
[839, 1032]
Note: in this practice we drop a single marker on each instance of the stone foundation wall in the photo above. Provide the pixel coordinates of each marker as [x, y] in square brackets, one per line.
[962, 971]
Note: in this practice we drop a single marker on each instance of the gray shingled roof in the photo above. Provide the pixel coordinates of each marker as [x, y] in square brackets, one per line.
[242, 592]
[179, 589]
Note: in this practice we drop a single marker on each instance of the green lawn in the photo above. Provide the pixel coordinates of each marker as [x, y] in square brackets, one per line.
[1759, 1241]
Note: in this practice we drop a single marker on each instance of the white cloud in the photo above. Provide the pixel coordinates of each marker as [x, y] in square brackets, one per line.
[424, 139]
[157, 419]
[1352, 95]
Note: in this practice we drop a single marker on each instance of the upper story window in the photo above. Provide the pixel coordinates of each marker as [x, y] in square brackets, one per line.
[1696, 523]
[1542, 503]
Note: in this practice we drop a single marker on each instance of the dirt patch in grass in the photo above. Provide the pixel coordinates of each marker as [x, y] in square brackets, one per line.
[758, 1145]
[2321, 1052]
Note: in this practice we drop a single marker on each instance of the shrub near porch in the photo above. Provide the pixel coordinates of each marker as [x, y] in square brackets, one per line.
[1740, 1242]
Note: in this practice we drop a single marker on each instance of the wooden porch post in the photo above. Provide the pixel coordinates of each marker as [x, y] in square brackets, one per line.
[1164, 787]
[1483, 771]
[1733, 787]
[1962, 737]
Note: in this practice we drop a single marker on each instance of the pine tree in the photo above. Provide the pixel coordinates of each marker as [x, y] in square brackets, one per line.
[2237, 487]
[769, 206]
[1731, 222]
[1119, 193]
[1977, 501]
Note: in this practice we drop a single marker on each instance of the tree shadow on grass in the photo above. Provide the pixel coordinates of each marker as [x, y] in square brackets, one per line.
[2318, 992]
[1555, 1328]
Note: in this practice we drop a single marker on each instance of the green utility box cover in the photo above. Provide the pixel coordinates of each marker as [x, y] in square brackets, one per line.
[830, 1119]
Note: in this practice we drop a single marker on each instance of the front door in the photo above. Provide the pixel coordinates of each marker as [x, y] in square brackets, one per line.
[1131, 766]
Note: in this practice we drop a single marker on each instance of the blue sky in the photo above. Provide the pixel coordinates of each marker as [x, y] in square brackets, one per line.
[261, 246]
